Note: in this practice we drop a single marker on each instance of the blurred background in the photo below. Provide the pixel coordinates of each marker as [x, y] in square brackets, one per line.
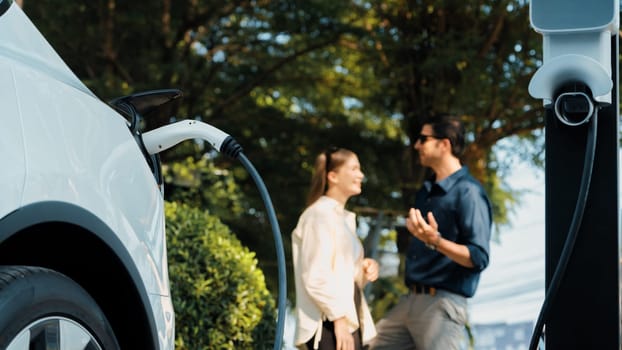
[288, 79]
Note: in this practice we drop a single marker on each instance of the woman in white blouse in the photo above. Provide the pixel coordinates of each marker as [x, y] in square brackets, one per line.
[330, 269]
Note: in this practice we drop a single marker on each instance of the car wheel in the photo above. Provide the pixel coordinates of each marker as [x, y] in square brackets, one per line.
[43, 309]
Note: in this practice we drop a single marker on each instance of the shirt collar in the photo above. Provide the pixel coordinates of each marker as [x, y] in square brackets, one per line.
[331, 202]
[446, 183]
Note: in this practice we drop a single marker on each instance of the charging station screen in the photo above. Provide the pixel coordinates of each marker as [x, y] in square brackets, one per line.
[571, 15]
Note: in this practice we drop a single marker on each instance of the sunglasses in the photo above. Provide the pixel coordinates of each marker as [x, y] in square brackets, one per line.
[423, 138]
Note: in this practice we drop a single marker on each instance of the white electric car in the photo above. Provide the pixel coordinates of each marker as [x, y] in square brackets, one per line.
[82, 247]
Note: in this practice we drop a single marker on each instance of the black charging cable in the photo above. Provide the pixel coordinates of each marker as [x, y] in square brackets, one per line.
[573, 231]
[231, 148]
[278, 242]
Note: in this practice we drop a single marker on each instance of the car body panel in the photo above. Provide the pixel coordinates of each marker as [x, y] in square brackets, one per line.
[13, 171]
[61, 144]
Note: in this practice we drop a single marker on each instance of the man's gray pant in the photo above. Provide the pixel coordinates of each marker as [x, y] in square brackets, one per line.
[423, 322]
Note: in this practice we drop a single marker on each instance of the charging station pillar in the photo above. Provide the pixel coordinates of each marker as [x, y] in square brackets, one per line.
[585, 312]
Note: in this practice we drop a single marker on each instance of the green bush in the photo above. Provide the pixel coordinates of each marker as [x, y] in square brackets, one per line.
[385, 294]
[219, 294]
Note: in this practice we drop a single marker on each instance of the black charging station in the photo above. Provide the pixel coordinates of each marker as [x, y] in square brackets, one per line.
[581, 309]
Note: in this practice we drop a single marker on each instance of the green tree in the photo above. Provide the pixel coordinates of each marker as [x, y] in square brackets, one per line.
[289, 78]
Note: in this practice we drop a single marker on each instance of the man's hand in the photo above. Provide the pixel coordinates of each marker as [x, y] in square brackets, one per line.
[427, 232]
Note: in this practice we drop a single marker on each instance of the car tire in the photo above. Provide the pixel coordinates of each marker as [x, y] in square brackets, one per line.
[43, 309]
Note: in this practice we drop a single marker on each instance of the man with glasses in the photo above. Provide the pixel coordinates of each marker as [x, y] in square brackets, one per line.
[451, 227]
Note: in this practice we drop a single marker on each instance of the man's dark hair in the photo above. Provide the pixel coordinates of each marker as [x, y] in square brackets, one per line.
[450, 127]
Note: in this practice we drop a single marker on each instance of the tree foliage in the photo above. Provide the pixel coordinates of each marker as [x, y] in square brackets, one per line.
[289, 78]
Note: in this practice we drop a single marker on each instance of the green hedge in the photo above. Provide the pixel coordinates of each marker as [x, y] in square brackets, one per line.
[219, 294]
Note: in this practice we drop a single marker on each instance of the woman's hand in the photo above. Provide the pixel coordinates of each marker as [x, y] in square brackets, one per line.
[370, 269]
[345, 340]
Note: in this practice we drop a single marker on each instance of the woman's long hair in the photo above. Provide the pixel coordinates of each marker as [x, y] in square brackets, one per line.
[325, 162]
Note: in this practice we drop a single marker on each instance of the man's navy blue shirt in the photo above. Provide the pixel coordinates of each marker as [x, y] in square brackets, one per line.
[464, 215]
